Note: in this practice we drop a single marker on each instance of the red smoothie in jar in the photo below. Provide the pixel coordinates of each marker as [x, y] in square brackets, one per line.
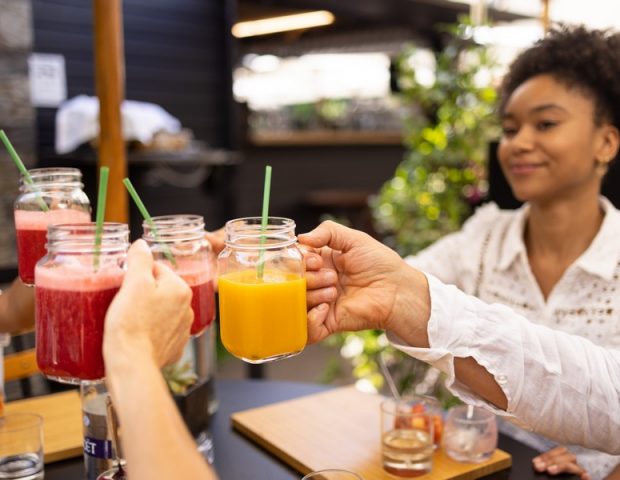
[198, 276]
[71, 303]
[31, 233]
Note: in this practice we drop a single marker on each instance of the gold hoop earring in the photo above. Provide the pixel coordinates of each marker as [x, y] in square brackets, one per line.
[602, 166]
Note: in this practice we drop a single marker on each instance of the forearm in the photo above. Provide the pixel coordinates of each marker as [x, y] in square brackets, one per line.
[16, 308]
[151, 425]
[411, 326]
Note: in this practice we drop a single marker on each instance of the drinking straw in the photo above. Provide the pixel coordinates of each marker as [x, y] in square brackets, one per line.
[101, 196]
[21, 167]
[388, 377]
[260, 267]
[145, 213]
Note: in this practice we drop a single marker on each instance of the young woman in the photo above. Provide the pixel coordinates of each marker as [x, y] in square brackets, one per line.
[556, 260]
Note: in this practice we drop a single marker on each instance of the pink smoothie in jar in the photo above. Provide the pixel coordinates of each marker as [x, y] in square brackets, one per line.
[31, 232]
[71, 303]
[198, 276]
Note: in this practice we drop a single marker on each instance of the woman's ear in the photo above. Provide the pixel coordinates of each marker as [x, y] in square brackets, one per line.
[608, 145]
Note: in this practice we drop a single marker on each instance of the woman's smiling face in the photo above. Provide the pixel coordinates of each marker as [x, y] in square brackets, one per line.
[551, 143]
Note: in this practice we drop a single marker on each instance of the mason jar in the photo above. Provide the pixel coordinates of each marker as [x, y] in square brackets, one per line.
[262, 290]
[53, 196]
[179, 241]
[74, 285]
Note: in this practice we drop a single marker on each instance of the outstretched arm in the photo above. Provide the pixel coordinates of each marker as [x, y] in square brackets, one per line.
[147, 326]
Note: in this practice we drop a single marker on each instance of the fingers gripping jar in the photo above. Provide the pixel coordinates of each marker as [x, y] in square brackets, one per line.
[262, 290]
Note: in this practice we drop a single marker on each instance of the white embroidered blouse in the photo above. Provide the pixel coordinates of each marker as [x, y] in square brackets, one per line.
[488, 259]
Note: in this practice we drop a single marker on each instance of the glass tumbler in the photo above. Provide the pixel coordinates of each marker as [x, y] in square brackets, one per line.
[262, 290]
[406, 438]
[470, 434]
[21, 446]
[54, 196]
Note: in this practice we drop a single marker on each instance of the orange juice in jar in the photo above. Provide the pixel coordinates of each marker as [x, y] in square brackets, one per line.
[262, 290]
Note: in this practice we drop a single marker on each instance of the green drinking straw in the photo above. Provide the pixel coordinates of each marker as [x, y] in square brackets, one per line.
[145, 213]
[260, 267]
[21, 167]
[101, 196]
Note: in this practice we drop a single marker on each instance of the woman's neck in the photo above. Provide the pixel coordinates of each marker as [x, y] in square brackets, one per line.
[563, 229]
[556, 234]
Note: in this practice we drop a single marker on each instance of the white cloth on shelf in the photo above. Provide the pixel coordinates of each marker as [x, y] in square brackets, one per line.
[77, 122]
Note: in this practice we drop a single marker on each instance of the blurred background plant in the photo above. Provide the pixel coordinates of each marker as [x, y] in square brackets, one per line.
[436, 186]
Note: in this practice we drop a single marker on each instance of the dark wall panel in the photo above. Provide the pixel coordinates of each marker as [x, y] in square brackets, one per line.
[177, 54]
[300, 172]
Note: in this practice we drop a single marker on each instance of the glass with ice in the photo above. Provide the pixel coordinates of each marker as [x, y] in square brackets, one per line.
[470, 434]
[54, 196]
[74, 285]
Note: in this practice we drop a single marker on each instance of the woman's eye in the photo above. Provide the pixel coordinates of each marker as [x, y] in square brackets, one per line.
[546, 125]
[509, 131]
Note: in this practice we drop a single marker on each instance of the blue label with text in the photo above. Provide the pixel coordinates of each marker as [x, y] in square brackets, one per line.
[95, 447]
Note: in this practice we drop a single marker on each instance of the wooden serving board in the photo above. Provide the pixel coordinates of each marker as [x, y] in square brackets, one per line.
[340, 428]
[62, 422]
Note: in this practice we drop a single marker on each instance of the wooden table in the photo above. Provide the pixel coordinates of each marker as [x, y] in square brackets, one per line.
[237, 458]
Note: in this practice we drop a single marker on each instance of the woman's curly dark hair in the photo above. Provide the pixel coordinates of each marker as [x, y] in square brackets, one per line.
[588, 60]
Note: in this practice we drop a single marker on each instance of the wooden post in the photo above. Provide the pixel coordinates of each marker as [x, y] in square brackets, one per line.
[544, 18]
[110, 88]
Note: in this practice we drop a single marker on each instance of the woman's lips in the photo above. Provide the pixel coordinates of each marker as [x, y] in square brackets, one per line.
[525, 168]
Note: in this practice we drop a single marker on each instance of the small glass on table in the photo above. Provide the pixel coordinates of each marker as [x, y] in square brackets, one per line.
[406, 438]
[470, 434]
[21, 446]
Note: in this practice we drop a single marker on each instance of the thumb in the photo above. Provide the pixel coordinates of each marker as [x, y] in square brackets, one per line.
[139, 261]
[332, 235]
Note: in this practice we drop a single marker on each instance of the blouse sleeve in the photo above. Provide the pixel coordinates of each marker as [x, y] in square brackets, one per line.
[559, 385]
